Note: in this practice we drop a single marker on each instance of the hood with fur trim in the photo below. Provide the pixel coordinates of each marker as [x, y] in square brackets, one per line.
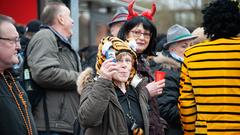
[84, 78]
[166, 62]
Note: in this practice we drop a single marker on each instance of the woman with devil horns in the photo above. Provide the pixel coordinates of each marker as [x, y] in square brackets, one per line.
[141, 30]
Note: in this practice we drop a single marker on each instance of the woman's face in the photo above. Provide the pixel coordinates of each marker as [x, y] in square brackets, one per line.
[125, 64]
[141, 36]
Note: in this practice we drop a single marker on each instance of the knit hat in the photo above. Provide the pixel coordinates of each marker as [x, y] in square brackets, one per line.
[33, 26]
[177, 33]
[120, 16]
[118, 46]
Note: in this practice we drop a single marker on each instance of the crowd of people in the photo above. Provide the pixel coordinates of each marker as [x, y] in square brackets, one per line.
[47, 90]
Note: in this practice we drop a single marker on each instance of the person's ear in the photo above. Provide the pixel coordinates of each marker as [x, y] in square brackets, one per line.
[60, 19]
[171, 48]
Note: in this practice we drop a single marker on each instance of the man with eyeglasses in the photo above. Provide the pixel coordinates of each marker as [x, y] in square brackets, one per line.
[15, 113]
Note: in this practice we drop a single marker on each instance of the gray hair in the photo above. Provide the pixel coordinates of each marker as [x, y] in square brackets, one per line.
[4, 18]
[50, 12]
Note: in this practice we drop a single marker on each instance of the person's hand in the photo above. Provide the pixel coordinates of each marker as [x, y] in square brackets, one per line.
[108, 69]
[155, 88]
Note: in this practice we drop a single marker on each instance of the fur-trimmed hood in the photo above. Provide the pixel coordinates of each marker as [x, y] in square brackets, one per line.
[166, 62]
[85, 77]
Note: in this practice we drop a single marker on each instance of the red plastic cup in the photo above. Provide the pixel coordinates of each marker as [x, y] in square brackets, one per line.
[159, 75]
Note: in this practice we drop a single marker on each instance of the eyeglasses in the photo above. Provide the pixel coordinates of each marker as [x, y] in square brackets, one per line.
[139, 33]
[12, 41]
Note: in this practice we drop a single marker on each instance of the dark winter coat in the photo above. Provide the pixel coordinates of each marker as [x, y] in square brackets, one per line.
[11, 122]
[168, 100]
[100, 112]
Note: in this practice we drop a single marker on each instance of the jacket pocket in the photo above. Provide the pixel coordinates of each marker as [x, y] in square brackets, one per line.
[201, 127]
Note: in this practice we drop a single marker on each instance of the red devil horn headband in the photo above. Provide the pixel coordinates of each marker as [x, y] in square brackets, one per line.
[148, 14]
[131, 12]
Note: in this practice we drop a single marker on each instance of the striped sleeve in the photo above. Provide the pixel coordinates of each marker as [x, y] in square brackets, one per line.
[187, 103]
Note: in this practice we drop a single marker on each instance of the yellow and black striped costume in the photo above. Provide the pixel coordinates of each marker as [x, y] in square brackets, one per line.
[210, 88]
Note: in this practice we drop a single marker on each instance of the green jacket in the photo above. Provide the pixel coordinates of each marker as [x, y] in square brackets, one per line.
[55, 66]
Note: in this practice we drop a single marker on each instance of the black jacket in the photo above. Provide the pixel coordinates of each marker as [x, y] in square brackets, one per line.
[12, 122]
[168, 100]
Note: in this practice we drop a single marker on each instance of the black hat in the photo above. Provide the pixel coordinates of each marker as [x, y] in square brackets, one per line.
[33, 26]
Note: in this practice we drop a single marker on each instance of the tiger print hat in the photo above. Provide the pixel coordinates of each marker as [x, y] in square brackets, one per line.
[119, 46]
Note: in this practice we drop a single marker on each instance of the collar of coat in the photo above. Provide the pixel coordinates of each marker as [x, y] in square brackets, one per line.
[166, 61]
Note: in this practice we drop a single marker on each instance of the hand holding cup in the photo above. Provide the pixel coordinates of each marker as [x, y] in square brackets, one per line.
[159, 75]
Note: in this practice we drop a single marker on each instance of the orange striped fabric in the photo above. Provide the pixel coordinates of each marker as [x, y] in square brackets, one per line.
[209, 99]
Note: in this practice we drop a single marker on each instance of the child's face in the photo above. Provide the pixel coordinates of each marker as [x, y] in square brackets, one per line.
[125, 65]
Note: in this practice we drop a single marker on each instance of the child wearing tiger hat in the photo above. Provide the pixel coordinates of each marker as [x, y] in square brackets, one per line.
[109, 104]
